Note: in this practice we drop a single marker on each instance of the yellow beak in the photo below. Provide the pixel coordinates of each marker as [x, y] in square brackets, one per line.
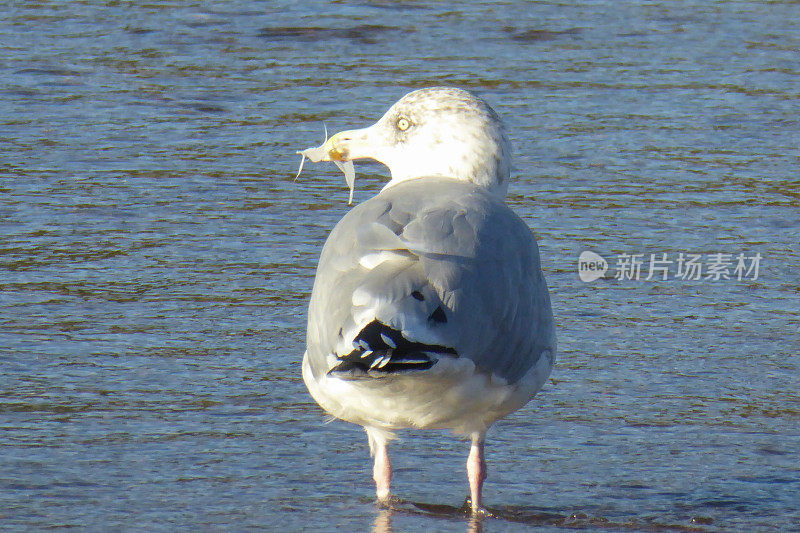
[344, 146]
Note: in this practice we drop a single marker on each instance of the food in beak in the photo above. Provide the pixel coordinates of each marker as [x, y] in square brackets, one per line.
[325, 153]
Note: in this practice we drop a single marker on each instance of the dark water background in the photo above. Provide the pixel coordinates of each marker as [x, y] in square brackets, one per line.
[156, 259]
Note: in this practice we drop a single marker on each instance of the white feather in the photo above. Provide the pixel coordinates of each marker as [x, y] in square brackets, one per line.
[388, 340]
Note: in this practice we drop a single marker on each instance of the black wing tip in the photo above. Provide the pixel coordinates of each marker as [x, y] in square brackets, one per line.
[377, 342]
[357, 369]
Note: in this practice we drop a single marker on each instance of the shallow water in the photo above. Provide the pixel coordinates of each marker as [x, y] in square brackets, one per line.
[156, 259]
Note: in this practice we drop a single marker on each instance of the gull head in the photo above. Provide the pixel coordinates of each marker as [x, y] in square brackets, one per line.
[438, 131]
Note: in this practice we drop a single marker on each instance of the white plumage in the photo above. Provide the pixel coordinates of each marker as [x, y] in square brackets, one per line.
[429, 307]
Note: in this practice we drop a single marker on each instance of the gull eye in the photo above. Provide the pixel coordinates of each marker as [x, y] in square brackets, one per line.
[403, 124]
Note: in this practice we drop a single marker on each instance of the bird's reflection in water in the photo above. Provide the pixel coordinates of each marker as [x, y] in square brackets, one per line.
[475, 524]
[397, 506]
[519, 514]
[383, 520]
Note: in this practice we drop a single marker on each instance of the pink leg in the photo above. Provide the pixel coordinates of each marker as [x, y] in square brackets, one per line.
[476, 471]
[382, 471]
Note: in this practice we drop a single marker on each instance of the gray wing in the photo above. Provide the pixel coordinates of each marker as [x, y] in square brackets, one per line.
[439, 265]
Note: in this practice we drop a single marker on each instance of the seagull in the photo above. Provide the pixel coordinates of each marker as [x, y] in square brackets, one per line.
[429, 308]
